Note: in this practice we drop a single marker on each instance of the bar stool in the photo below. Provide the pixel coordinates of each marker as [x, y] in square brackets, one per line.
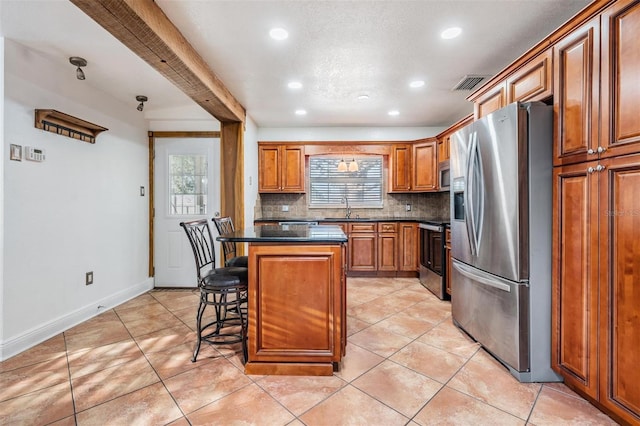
[224, 225]
[225, 289]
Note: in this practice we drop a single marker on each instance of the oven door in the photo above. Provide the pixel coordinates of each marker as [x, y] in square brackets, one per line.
[431, 255]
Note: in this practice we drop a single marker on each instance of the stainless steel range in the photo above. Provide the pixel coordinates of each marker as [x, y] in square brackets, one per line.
[431, 247]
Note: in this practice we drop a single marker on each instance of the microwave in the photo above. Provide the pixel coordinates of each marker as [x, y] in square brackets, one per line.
[444, 176]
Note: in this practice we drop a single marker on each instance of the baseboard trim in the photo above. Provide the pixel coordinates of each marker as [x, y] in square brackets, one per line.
[30, 338]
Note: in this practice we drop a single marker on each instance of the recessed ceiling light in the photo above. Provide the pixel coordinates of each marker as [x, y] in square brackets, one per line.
[394, 112]
[363, 97]
[278, 33]
[452, 32]
[417, 83]
[294, 85]
[301, 112]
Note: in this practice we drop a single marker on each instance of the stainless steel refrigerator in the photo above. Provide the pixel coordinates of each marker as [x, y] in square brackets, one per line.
[501, 236]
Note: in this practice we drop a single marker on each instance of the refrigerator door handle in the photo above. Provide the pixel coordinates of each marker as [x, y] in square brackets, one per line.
[470, 220]
[478, 222]
[469, 272]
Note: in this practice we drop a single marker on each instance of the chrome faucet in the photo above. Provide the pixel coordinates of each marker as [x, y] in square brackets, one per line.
[346, 200]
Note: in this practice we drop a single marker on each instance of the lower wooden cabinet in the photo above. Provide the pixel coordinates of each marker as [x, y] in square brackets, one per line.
[408, 247]
[387, 246]
[363, 246]
[596, 282]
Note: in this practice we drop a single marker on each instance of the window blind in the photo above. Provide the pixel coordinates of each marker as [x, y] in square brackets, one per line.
[328, 186]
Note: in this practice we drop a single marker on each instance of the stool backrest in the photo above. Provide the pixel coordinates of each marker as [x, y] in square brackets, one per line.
[224, 225]
[201, 242]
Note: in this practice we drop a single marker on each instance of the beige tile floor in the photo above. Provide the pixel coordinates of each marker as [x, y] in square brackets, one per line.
[406, 364]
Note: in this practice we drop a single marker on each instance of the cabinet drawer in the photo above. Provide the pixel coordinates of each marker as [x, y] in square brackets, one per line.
[363, 227]
[387, 227]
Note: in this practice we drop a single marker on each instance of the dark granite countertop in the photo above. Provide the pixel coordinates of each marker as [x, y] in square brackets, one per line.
[439, 221]
[287, 234]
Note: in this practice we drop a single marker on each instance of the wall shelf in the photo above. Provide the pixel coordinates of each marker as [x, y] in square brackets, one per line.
[63, 124]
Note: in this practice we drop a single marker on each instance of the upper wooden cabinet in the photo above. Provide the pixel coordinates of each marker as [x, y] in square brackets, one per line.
[444, 148]
[425, 167]
[413, 166]
[280, 168]
[575, 100]
[620, 71]
[532, 82]
[596, 87]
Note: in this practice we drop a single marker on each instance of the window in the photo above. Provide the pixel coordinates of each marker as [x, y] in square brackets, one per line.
[188, 184]
[328, 186]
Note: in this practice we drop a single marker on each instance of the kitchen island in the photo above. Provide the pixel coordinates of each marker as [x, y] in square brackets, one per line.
[297, 298]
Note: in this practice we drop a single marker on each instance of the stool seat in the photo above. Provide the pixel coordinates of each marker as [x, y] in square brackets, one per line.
[224, 289]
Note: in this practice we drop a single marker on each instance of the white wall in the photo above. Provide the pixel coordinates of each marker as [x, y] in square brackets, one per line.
[78, 211]
[346, 133]
[250, 170]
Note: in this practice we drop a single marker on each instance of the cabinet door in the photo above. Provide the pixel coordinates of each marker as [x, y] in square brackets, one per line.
[387, 252]
[425, 172]
[363, 252]
[443, 148]
[620, 286]
[533, 82]
[492, 100]
[400, 168]
[575, 101]
[575, 294]
[269, 168]
[408, 247]
[620, 89]
[292, 168]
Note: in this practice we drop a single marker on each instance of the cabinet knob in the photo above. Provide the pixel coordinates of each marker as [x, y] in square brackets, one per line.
[600, 168]
[601, 149]
[590, 151]
[591, 170]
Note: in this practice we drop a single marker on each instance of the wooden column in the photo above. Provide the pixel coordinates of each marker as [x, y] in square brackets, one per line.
[232, 174]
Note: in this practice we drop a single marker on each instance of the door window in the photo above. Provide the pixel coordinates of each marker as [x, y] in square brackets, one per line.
[188, 184]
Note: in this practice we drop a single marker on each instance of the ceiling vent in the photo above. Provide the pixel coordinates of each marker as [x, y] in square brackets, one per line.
[470, 82]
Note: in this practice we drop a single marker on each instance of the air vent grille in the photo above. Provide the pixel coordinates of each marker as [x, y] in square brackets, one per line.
[469, 82]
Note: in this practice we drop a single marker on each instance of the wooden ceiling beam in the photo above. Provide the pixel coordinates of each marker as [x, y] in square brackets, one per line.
[144, 28]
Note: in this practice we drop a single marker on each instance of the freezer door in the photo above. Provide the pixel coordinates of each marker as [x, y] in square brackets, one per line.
[494, 311]
[492, 188]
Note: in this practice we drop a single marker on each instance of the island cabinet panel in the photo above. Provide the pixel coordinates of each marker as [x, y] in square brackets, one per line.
[576, 97]
[296, 306]
[620, 87]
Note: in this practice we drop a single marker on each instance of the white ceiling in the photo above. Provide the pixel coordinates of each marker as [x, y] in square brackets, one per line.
[336, 49]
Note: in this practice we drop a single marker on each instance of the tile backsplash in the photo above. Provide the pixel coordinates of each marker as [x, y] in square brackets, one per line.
[423, 206]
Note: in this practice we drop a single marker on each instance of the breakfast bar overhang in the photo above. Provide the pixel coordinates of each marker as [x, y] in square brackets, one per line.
[297, 298]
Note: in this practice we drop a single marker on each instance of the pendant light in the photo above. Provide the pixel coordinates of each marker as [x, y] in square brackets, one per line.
[353, 165]
[342, 166]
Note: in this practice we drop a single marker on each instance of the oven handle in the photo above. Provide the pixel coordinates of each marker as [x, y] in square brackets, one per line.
[430, 227]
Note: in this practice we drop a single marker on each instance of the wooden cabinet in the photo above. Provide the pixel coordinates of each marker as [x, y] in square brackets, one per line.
[490, 100]
[413, 167]
[447, 256]
[425, 167]
[408, 247]
[387, 246]
[596, 303]
[363, 247]
[532, 82]
[281, 168]
[444, 148]
[620, 84]
[297, 302]
[576, 97]
[400, 168]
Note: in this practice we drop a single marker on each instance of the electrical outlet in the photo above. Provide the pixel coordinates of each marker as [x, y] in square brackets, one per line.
[285, 208]
[88, 280]
[408, 207]
[142, 191]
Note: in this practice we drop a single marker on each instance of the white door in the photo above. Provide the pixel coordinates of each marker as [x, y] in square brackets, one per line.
[186, 187]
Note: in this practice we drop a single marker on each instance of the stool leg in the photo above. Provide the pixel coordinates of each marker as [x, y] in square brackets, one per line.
[198, 329]
[243, 327]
